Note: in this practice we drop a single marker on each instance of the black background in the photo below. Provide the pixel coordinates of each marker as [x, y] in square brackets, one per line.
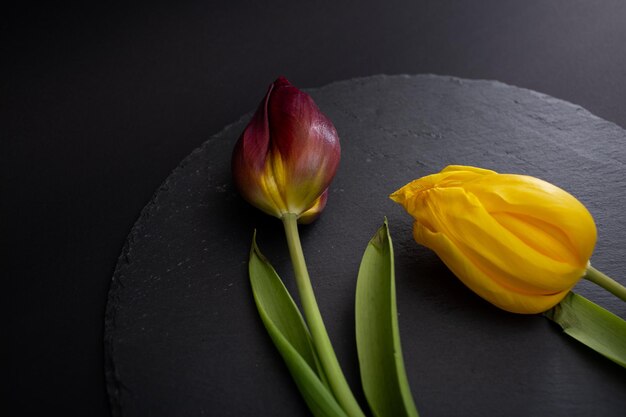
[99, 104]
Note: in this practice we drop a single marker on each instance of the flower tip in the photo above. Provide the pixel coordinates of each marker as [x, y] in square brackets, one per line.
[282, 81]
[398, 196]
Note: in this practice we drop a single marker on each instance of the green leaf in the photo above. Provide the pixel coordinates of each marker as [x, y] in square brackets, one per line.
[377, 335]
[591, 325]
[290, 335]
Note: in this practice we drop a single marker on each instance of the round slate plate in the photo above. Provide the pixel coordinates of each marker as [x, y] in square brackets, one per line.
[182, 333]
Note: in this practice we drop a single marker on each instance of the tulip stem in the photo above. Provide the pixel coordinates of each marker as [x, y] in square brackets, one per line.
[321, 341]
[605, 282]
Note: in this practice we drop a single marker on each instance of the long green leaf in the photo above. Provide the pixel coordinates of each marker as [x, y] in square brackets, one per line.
[591, 325]
[290, 335]
[377, 335]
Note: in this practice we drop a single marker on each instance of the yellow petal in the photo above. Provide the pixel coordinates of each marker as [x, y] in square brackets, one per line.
[272, 181]
[532, 198]
[481, 283]
[497, 251]
[467, 168]
[313, 213]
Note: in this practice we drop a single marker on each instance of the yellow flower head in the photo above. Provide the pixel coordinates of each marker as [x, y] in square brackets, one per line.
[517, 241]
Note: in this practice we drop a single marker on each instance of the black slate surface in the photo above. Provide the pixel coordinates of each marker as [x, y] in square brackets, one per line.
[182, 333]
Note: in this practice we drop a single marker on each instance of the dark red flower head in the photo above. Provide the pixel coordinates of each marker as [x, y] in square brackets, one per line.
[287, 155]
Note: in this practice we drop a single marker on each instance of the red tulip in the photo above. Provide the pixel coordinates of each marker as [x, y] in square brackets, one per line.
[287, 155]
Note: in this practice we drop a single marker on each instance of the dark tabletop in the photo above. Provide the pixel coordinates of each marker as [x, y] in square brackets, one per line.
[99, 104]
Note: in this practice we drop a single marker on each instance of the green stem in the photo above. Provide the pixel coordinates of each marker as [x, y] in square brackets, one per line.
[321, 341]
[605, 282]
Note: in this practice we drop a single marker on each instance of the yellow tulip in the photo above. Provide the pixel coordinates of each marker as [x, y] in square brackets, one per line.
[517, 241]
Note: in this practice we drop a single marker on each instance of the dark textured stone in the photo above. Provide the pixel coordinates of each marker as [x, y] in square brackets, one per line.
[183, 336]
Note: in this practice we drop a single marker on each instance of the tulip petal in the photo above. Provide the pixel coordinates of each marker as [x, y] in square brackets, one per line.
[314, 212]
[540, 235]
[481, 283]
[249, 161]
[538, 199]
[467, 169]
[307, 143]
[461, 217]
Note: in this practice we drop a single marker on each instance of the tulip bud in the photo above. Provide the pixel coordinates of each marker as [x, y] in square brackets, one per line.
[517, 241]
[287, 155]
